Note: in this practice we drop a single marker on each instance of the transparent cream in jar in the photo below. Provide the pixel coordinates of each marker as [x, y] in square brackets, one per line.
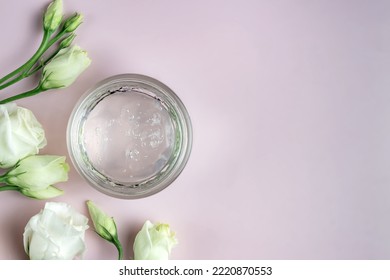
[130, 136]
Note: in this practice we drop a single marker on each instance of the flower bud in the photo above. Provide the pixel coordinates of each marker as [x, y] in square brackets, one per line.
[35, 175]
[154, 242]
[53, 16]
[73, 22]
[104, 225]
[67, 41]
[64, 68]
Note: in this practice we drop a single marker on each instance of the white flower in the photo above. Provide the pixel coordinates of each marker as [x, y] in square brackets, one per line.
[56, 233]
[154, 242]
[39, 171]
[35, 175]
[64, 68]
[21, 134]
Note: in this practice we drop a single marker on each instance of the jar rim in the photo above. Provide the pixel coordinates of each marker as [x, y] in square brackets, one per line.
[177, 112]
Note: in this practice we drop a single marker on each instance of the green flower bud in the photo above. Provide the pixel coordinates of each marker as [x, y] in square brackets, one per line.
[73, 22]
[64, 68]
[53, 16]
[67, 41]
[104, 225]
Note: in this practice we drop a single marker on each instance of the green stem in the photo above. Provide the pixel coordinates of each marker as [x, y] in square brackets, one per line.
[41, 65]
[11, 82]
[25, 68]
[47, 60]
[28, 72]
[9, 188]
[29, 93]
[3, 178]
[57, 37]
[118, 245]
[45, 44]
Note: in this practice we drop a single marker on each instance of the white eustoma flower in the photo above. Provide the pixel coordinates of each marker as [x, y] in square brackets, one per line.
[39, 171]
[154, 242]
[35, 175]
[56, 233]
[21, 134]
[64, 68]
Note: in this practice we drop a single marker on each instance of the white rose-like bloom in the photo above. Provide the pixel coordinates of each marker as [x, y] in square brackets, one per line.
[64, 68]
[154, 242]
[21, 134]
[56, 233]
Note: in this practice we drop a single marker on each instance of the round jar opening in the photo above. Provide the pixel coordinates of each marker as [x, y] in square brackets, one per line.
[130, 136]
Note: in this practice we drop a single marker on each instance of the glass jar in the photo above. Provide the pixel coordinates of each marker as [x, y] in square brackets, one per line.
[130, 136]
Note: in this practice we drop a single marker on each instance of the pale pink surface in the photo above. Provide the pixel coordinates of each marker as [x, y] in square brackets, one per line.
[290, 105]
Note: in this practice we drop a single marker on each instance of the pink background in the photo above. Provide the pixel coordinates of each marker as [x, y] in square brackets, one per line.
[290, 105]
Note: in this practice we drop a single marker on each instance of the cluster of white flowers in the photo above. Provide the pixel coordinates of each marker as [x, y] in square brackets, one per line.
[58, 230]
[21, 138]
[153, 241]
[21, 134]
